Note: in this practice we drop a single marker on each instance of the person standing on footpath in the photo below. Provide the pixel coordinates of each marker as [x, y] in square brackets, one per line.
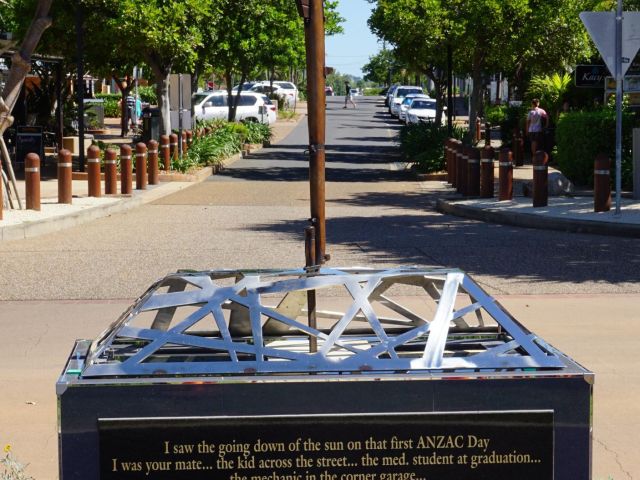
[537, 120]
[348, 95]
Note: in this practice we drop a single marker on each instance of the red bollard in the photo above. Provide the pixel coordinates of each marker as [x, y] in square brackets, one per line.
[189, 137]
[478, 129]
[540, 179]
[166, 152]
[173, 143]
[64, 176]
[461, 168]
[126, 187]
[473, 172]
[454, 159]
[32, 181]
[141, 166]
[93, 170]
[153, 162]
[602, 183]
[185, 147]
[518, 149]
[505, 165]
[110, 172]
[486, 172]
[448, 149]
[487, 134]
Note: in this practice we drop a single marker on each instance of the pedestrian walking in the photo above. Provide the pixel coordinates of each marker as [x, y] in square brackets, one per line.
[348, 97]
[537, 121]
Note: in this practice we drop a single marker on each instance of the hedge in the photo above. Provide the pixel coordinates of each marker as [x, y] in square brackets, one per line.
[423, 144]
[580, 136]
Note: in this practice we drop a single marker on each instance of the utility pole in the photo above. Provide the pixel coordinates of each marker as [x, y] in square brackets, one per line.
[312, 11]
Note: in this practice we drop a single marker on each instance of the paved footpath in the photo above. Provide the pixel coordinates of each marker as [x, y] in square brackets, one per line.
[579, 292]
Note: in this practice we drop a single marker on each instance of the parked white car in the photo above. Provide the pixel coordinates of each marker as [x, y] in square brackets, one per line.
[422, 110]
[288, 89]
[398, 95]
[252, 106]
[406, 105]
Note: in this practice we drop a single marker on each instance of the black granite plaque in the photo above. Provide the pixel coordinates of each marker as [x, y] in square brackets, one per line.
[422, 446]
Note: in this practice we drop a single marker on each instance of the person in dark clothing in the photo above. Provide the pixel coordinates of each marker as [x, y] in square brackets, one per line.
[348, 97]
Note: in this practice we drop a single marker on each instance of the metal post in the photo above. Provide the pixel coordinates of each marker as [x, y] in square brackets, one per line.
[32, 181]
[449, 90]
[314, 36]
[64, 176]
[141, 166]
[601, 183]
[619, 80]
[180, 132]
[126, 184]
[93, 171]
[505, 174]
[110, 172]
[310, 262]
[540, 179]
[152, 167]
[80, 92]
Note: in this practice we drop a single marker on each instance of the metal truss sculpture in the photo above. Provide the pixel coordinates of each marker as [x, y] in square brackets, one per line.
[255, 322]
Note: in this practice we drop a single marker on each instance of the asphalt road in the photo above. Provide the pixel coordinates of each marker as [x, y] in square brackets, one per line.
[254, 214]
[579, 292]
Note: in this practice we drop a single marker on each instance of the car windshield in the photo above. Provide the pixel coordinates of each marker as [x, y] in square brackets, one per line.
[403, 92]
[286, 85]
[407, 100]
[423, 104]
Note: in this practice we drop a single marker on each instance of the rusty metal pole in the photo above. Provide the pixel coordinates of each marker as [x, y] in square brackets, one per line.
[486, 172]
[314, 41]
[152, 167]
[93, 171]
[65, 175]
[110, 172]
[506, 174]
[540, 179]
[32, 181]
[126, 186]
[310, 262]
[141, 166]
[602, 183]
[185, 146]
[166, 153]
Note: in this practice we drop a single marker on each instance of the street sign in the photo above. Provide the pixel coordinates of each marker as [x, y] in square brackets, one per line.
[590, 76]
[602, 29]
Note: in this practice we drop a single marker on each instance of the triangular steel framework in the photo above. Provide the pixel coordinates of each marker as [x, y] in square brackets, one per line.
[467, 330]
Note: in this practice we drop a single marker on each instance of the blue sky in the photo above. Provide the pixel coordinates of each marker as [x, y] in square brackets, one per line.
[347, 53]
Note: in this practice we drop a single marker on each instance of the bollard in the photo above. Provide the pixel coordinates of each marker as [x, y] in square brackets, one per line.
[454, 157]
[110, 172]
[185, 147]
[461, 168]
[486, 172]
[518, 148]
[64, 176]
[448, 144]
[141, 166]
[125, 170]
[173, 143]
[152, 166]
[473, 172]
[189, 138]
[540, 179]
[93, 170]
[32, 181]
[166, 152]
[478, 130]
[601, 183]
[487, 134]
[467, 152]
[505, 164]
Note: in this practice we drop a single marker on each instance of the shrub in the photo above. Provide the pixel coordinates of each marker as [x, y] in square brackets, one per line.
[495, 114]
[580, 136]
[257, 132]
[423, 144]
[111, 108]
[148, 95]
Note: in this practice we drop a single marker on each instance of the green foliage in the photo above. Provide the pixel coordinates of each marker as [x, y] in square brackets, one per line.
[224, 141]
[580, 136]
[550, 90]
[423, 144]
[495, 114]
[257, 132]
[111, 108]
[372, 92]
[514, 117]
[148, 95]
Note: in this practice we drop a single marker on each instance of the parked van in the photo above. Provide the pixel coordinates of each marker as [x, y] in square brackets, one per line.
[252, 106]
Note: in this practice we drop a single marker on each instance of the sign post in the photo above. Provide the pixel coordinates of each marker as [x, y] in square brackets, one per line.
[624, 27]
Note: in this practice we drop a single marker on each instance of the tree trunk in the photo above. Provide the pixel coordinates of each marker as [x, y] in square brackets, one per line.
[476, 97]
[21, 63]
[125, 87]
[161, 73]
